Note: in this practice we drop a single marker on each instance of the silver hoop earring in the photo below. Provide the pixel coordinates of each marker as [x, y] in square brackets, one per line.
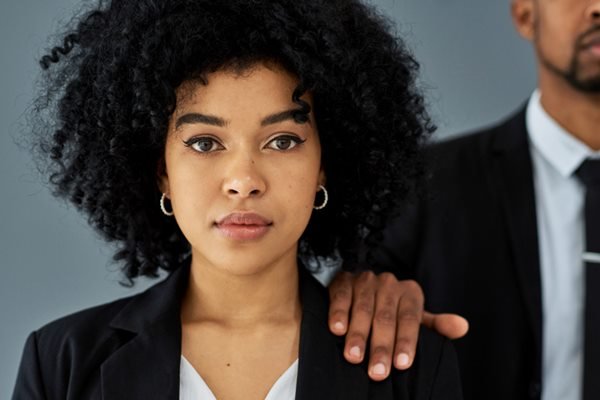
[162, 206]
[325, 198]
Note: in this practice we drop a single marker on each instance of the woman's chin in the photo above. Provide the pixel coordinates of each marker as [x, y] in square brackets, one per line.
[250, 262]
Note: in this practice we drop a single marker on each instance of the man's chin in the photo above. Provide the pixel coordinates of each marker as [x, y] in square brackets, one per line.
[590, 86]
[584, 75]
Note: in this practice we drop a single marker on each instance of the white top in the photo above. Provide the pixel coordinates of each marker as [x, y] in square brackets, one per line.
[560, 199]
[193, 387]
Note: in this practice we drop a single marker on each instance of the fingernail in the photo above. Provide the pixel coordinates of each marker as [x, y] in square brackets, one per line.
[402, 360]
[338, 326]
[378, 369]
[355, 351]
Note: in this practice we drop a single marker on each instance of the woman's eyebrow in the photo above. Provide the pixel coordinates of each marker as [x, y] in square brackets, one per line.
[198, 118]
[282, 116]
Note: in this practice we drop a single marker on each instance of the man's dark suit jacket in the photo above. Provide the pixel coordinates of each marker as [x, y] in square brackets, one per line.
[130, 349]
[473, 241]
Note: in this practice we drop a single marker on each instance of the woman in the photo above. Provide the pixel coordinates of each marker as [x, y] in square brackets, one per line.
[222, 142]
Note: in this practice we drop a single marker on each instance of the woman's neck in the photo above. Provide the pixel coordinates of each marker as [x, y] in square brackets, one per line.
[266, 297]
[241, 331]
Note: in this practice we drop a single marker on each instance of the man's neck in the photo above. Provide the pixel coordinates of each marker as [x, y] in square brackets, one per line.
[577, 112]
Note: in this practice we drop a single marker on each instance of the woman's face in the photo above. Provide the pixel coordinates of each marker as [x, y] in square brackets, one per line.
[241, 173]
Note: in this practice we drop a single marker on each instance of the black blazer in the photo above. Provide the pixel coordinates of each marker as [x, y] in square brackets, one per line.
[130, 349]
[473, 241]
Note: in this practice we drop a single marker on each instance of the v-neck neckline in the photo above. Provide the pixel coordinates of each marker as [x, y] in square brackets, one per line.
[192, 384]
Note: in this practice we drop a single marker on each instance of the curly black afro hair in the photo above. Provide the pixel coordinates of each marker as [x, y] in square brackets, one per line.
[109, 90]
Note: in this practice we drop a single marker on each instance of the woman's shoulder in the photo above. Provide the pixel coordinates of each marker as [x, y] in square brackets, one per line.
[85, 324]
[434, 373]
[126, 313]
[67, 351]
[133, 311]
[65, 357]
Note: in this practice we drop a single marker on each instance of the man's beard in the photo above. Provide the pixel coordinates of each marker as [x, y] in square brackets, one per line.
[572, 74]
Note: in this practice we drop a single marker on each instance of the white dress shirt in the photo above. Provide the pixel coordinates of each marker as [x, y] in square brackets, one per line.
[193, 387]
[559, 197]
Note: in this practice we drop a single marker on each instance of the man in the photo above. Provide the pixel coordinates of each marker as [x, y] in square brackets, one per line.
[501, 236]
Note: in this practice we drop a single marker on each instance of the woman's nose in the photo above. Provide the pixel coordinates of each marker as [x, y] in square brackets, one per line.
[244, 179]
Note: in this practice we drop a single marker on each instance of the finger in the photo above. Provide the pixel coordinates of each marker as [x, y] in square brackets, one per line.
[383, 334]
[452, 326]
[340, 296]
[363, 304]
[410, 313]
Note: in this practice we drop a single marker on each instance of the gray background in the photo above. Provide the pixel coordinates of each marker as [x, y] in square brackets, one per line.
[475, 71]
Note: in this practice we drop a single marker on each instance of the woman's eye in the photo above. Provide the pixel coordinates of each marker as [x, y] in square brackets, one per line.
[204, 145]
[284, 142]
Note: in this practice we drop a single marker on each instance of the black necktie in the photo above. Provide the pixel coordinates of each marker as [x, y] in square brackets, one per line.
[589, 174]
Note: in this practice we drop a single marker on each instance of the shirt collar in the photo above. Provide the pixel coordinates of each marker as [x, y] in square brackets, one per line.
[561, 149]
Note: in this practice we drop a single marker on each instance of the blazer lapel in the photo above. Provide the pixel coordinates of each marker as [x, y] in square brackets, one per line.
[147, 366]
[323, 372]
[513, 173]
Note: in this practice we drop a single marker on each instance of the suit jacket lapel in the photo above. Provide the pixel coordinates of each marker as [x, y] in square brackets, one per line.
[147, 366]
[513, 172]
[322, 368]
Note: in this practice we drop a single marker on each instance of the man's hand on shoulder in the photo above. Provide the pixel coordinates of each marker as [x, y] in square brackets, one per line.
[391, 311]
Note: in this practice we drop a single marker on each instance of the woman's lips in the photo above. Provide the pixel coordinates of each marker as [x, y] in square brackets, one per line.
[243, 226]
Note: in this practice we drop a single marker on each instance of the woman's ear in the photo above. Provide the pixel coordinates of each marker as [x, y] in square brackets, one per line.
[162, 179]
[322, 178]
